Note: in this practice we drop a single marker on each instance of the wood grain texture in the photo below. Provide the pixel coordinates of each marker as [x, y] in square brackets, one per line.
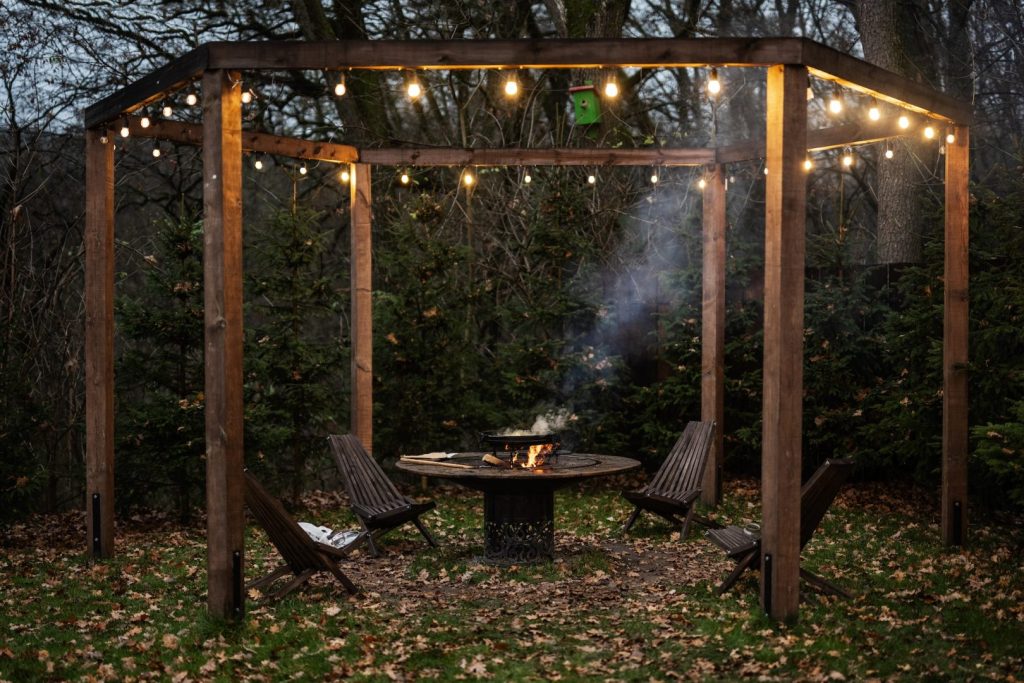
[954, 339]
[361, 217]
[847, 135]
[712, 383]
[222, 300]
[785, 206]
[99, 339]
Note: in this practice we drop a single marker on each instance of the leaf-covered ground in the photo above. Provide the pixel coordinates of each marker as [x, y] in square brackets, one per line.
[640, 607]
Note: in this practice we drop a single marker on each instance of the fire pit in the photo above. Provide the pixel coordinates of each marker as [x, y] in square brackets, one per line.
[525, 451]
[519, 502]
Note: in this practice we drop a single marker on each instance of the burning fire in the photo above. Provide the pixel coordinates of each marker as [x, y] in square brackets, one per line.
[536, 456]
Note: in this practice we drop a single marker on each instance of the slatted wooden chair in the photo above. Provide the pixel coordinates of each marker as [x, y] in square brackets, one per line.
[303, 557]
[676, 485]
[816, 497]
[372, 496]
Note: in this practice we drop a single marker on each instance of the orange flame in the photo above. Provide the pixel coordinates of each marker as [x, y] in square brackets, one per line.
[535, 457]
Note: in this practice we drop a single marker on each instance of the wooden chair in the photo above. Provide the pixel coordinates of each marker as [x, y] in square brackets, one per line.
[816, 497]
[372, 496]
[676, 485]
[303, 557]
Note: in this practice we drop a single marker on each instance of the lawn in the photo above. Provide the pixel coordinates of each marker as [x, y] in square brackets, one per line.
[640, 607]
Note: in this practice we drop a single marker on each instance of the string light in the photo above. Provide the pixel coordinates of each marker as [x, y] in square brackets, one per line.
[904, 121]
[592, 179]
[847, 158]
[702, 183]
[167, 111]
[258, 164]
[340, 88]
[835, 103]
[247, 97]
[654, 178]
[950, 138]
[929, 132]
[611, 88]
[125, 130]
[156, 152]
[413, 88]
[889, 154]
[714, 85]
[144, 121]
[404, 179]
[808, 164]
[344, 176]
[766, 170]
[527, 179]
[511, 86]
[191, 99]
[468, 178]
[874, 113]
[303, 170]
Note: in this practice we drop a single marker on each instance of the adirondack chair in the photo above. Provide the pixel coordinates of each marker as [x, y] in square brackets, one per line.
[676, 485]
[816, 496]
[372, 496]
[303, 557]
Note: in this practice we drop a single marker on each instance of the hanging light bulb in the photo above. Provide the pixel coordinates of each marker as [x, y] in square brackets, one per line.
[835, 103]
[527, 179]
[340, 88]
[156, 152]
[258, 164]
[247, 97]
[167, 111]
[413, 88]
[904, 121]
[714, 85]
[950, 138]
[344, 176]
[404, 179]
[847, 157]
[702, 183]
[889, 154]
[468, 178]
[125, 130]
[592, 179]
[929, 132]
[808, 164]
[874, 113]
[144, 121]
[766, 170]
[303, 170]
[104, 139]
[611, 89]
[191, 99]
[654, 178]
[511, 86]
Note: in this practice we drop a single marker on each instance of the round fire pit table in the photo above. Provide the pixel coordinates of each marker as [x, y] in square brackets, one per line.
[519, 504]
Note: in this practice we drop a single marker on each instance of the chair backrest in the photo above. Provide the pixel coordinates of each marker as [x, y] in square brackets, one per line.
[817, 495]
[365, 482]
[683, 469]
[294, 544]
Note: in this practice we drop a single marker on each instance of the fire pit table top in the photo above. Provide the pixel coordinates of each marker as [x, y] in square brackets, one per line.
[565, 466]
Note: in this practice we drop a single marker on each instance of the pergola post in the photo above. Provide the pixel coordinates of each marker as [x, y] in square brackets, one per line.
[785, 201]
[954, 341]
[222, 301]
[99, 342]
[362, 306]
[712, 382]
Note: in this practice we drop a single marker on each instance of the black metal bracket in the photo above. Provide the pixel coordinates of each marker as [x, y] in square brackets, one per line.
[97, 543]
[767, 575]
[238, 603]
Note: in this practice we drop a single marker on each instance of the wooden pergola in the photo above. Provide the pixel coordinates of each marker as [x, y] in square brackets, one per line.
[789, 63]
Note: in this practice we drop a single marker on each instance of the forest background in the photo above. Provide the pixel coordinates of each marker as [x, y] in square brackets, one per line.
[514, 298]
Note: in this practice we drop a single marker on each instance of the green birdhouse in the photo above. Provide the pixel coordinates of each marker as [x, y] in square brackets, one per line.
[585, 104]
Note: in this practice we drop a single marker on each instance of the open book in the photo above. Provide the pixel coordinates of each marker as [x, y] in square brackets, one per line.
[327, 536]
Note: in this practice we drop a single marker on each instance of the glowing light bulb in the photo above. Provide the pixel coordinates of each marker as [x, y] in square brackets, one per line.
[702, 183]
[592, 179]
[340, 88]
[247, 97]
[950, 138]
[904, 121]
[611, 89]
[191, 99]
[344, 177]
[889, 154]
[835, 105]
[511, 87]
[404, 179]
[103, 139]
[714, 85]
[156, 151]
[847, 159]
[258, 165]
[527, 179]
[766, 171]
[413, 89]
[303, 170]
[468, 179]
[874, 113]
[808, 164]
[167, 111]
[144, 122]
[654, 178]
[125, 132]
[929, 132]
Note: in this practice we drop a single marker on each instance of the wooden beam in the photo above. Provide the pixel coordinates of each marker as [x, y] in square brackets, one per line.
[361, 216]
[150, 88]
[847, 135]
[532, 54]
[222, 301]
[438, 156]
[296, 148]
[99, 342]
[785, 217]
[954, 341]
[827, 63]
[712, 336]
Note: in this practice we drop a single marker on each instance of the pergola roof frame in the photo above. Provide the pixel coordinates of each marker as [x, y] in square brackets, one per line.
[789, 63]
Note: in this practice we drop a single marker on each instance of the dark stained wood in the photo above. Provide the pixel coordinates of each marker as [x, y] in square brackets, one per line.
[676, 486]
[428, 156]
[192, 134]
[954, 341]
[149, 88]
[361, 219]
[848, 135]
[222, 290]
[371, 495]
[785, 207]
[99, 342]
[816, 497]
[712, 338]
[591, 465]
[829, 64]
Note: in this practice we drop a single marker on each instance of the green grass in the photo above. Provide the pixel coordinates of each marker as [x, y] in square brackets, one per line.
[639, 608]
